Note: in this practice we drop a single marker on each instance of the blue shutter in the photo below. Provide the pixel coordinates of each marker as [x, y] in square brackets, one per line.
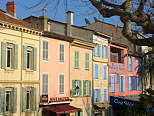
[105, 72]
[122, 83]
[134, 83]
[140, 83]
[98, 50]
[94, 97]
[96, 71]
[132, 63]
[105, 94]
[107, 52]
[120, 80]
[99, 95]
[128, 63]
[103, 51]
[129, 82]
[112, 82]
[94, 52]
[123, 80]
[137, 64]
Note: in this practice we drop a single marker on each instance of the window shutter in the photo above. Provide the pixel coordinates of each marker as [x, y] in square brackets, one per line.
[140, 83]
[2, 94]
[128, 63]
[35, 59]
[132, 63]
[94, 51]
[107, 55]
[34, 98]
[76, 59]
[24, 99]
[81, 113]
[105, 72]
[84, 88]
[112, 82]
[103, 51]
[98, 50]
[105, 94]
[89, 111]
[129, 82]
[14, 105]
[120, 80]
[4, 99]
[87, 61]
[24, 58]
[73, 87]
[80, 87]
[3, 55]
[123, 80]
[137, 64]
[99, 95]
[15, 56]
[95, 95]
[96, 71]
[90, 88]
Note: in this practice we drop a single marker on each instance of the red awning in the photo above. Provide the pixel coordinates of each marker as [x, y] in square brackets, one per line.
[63, 109]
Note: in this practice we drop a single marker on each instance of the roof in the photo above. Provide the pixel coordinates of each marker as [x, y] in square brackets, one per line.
[10, 19]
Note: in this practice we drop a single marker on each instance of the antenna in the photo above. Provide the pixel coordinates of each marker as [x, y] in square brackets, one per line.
[96, 20]
[43, 11]
[87, 21]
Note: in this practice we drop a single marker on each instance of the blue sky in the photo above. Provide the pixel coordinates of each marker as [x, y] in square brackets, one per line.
[80, 9]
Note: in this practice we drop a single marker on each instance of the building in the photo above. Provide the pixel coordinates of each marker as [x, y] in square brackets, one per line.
[19, 81]
[100, 74]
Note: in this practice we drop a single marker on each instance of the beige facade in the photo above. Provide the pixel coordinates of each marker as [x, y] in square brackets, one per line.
[17, 82]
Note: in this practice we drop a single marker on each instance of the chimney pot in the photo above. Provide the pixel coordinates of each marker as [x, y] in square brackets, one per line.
[11, 8]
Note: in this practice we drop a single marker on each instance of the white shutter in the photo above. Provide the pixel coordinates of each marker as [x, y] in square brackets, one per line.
[61, 84]
[45, 84]
[61, 53]
[45, 50]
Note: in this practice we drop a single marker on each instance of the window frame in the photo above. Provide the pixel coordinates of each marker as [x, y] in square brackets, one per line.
[8, 90]
[29, 52]
[77, 83]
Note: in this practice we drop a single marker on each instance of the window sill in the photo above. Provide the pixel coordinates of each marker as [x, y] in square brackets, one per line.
[87, 69]
[9, 69]
[76, 68]
[28, 70]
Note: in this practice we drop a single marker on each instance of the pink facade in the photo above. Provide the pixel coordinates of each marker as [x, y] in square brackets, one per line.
[121, 83]
[54, 68]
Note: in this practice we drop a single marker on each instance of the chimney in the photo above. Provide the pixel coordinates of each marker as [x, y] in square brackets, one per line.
[11, 8]
[69, 23]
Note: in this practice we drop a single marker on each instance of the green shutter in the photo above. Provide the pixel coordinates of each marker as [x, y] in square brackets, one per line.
[84, 87]
[14, 105]
[15, 56]
[3, 55]
[4, 100]
[76, 59]
[35, 59]
[90, 88]
[89, 111]
[87, 61]
[24, 99]
[34, 99]
[1, 100]
[73, 87]
[80, 88]
[81, 113]
[24, 58]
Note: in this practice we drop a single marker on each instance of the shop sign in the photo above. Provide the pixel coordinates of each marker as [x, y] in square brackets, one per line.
[59, 99]
[116, 101]
[44, 99]
[117, 66]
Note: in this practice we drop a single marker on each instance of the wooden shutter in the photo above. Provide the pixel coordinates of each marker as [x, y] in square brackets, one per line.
[107, 55]
[123, 80]
[84, 88]
[45, 84]
[73, 87]
[15, 56]
[105, 72]
[99, 95]
[24, 58]
[94, 51]
[14, 105]
[2, 94]
[129, 82]
[105, 95]
[98, 50]
[3, 55]
[35, 59]
[96, 71]
[24, 99]
[132, 63]
[87, 61]
[90, 88]
[76, 59]
[95, 95]
[128, 63]
[4, 100]
[89, 111]
[61, 84]
[33, 98]
[112, 83]
[80, 88]
[103, 51]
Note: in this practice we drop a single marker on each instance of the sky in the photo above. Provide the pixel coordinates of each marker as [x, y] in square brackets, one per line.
[57, 12]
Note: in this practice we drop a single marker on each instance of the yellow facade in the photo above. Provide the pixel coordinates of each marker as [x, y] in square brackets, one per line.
[19, 78]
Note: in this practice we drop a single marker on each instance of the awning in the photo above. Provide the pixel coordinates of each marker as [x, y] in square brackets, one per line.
[63, 109]
[101, 106]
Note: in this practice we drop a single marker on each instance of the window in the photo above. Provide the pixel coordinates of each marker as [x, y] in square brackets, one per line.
[133, 83]
[130, 63]
[45, 84]
[97, 95]
[61, 52]
[76, 59]
[29, 58]
[8, 99]
[97, 50]
[122, 83]
[10, 55]
[76, 87]
[116, 55]
[105, 51]
[45, 50]
[28, 99]
[87, 61]
[61, 84]
[87, 87]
